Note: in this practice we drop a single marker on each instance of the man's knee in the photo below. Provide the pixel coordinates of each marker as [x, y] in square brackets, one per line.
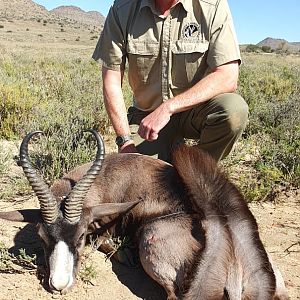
[236, 110]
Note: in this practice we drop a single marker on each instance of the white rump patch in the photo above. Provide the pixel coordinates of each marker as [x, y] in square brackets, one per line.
[61, 263]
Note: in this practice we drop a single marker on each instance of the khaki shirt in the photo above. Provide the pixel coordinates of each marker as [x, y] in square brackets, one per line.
[166, 55]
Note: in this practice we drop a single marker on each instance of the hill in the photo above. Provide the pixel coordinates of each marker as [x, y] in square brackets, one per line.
[29, 10]
[22, 9]
[26, 26]
[280, 44]
[75, 13]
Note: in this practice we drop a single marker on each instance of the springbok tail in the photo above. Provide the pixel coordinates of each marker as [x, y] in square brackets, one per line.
[210, 277]
[213, 193]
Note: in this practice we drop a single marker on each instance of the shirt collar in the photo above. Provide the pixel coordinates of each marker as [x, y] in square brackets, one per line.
[150, 3]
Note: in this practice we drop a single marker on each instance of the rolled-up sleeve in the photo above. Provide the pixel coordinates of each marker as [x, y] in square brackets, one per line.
[110, 48]
[223, 45]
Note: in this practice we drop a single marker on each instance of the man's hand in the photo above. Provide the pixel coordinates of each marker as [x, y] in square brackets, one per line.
[155, 122]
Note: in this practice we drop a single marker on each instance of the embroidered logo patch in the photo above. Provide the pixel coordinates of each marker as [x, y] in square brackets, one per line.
[191, 30]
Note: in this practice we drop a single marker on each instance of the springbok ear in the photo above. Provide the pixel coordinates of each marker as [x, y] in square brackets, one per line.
[107, 209]
[23, 215]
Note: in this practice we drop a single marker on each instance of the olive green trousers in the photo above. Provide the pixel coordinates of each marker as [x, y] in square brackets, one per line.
[215, 125]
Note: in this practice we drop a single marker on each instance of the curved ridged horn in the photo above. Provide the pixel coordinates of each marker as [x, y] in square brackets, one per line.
[74, 201]
[48, 204]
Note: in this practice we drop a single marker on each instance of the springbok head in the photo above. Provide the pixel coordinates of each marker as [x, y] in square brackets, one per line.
[63, 225]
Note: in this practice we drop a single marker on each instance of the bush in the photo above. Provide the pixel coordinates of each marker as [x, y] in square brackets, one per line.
[16, 107]
[253, 48]
[266, 49]
[59, 96]
[272, 138]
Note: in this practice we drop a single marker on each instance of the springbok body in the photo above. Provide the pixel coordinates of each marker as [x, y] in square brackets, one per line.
[191, 227]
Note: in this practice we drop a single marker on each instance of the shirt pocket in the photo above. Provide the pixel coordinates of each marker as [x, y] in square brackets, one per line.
[142, 56]
[188, 62]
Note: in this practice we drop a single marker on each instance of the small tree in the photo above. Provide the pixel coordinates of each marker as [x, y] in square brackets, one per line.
[252, 48]
[266, 49]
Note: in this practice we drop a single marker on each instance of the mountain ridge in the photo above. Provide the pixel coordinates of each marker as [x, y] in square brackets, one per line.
[279, 44]
[29, 10]
[78, 14]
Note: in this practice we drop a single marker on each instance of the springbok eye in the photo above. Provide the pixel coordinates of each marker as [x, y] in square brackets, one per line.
[80, 239]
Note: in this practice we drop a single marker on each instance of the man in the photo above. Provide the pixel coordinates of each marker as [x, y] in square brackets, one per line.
[183, 61]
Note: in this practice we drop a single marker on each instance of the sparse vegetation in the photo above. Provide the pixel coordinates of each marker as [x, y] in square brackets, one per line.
[4, 157]
[270, 149]
[9, 263]
[15, 187]
[61, 97]
[58, 96]
[88, 272]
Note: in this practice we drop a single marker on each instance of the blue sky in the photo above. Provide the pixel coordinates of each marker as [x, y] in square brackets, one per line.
[254, 19]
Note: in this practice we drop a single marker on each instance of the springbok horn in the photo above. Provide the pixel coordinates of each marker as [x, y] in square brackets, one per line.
[48, 204]
[74, 201]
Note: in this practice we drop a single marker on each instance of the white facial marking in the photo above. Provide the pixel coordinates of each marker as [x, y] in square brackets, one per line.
[61, 264]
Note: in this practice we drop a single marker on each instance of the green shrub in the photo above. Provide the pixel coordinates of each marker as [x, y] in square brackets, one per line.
[61, 95]
[10, 263]
[16, 107]
[271, 89]
[253, 48]
[266, 49]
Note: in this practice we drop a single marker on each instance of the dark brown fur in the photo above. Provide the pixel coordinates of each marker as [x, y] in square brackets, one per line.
[193, 230]
[229, 242]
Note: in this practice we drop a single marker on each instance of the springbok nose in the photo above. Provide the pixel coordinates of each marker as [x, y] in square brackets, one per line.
[59, 282]
[61, 264]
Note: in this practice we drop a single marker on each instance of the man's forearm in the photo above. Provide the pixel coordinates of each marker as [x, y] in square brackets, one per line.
[222, 80]
[114, 102]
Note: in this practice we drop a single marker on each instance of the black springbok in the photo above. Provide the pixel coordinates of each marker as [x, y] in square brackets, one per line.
[192, 229]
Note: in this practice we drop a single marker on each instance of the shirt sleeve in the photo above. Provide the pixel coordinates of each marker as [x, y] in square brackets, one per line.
[110, 48]
[223, 45]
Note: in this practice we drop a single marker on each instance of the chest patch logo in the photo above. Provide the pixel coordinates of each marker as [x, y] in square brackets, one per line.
[191, 30]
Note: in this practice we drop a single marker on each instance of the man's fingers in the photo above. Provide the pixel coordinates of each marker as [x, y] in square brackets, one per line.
[153, 136]
[147, 134]
[142, 132]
